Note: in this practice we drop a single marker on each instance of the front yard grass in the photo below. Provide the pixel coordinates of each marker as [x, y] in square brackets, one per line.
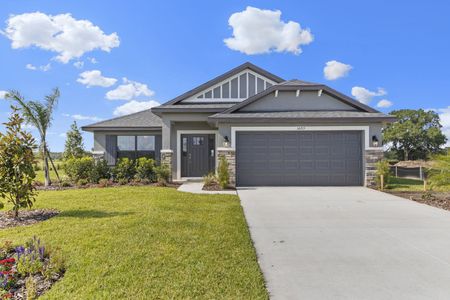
[147, 243]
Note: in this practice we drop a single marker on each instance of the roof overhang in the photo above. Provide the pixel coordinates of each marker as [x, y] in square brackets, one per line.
[99, 128]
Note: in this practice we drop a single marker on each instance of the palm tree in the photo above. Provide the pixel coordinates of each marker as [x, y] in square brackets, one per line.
[39, 115]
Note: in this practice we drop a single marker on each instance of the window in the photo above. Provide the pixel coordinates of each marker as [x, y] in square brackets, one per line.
[125, 143]
[134, 147]
[146, 143]
[197, 140]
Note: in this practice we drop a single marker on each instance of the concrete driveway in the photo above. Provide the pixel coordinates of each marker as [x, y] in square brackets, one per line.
[348, 243]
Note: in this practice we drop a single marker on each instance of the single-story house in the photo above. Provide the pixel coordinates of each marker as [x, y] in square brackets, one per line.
[272, 132]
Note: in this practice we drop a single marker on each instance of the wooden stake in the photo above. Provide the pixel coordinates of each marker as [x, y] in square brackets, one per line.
[424, 185]
[382, 182]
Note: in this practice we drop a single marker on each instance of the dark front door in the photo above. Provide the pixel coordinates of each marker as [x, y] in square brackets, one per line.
[197, 154]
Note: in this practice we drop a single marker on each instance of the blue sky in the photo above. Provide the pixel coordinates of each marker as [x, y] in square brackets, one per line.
[145, 51]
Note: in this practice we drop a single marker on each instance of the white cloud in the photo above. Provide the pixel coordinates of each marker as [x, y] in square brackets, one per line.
[3, 94]
[257, 31]
[384, 103]
[134, 106]
[63, 135]
[95, 78]
[78, 64]
[129, 90]
[363, 95]
[63, 34]
[334, 70]
[31, 67]
[93, 60]
[45, 68]
[444, 115]
[79, 117]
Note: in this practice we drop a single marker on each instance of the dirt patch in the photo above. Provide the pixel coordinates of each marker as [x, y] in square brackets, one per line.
[216, 187]
[26, 217]
[436, 199]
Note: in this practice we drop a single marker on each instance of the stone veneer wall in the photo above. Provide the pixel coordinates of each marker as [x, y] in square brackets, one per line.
[371, 158]
[166, 159]
[230, 156]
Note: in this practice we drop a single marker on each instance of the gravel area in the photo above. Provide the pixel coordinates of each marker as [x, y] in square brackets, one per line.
[436, 199]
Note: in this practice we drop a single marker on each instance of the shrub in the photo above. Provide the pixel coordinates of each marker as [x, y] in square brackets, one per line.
[82, 182]
[16, 165]
[37, 167]
[31, 288]
[145, 169]
[439, 175]
[125, 169]
[162, 174]
[382, 168]
[222, 172]
[79, 168]
[55, 265]
[30, 259]
[104, 183]
[65, 183]
[122, 181]
[100, 171]
[210, 179]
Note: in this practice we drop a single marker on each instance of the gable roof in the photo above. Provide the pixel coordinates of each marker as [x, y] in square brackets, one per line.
[143, 120]
[294, 85]
[235, 71]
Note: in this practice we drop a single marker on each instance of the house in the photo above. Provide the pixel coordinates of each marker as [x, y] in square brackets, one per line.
[271, 131]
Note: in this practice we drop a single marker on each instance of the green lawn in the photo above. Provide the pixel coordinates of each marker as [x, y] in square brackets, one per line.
[404, 184]
[40, 175]
[411, 185]
[148, 243]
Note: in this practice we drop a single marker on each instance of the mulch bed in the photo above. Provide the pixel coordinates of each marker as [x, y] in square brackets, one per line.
[216, 187]
[436, 199]
[56, 187]
[26, 217]
[42, 285]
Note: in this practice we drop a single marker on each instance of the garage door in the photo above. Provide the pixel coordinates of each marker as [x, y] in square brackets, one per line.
[313, 158]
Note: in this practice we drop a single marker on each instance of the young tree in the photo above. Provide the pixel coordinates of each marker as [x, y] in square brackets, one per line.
[74, 147]
[415, 135]
[16, 165]
[40, 115]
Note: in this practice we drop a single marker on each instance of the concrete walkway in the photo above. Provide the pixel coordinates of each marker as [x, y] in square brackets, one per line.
[195, 187]
[348, 243]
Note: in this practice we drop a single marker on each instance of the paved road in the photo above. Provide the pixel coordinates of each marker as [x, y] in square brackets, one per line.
[348, 243]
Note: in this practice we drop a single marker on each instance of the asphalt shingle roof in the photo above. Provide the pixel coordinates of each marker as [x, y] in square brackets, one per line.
[142, 119]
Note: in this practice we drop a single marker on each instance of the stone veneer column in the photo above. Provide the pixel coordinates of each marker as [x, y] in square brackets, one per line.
[372, 157]
[230, 156]
[166, 159]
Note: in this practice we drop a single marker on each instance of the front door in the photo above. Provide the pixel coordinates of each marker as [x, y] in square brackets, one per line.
[197, 154]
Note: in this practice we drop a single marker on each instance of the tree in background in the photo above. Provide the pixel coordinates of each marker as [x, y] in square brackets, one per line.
[39, 115]
[415, 135]
[16, 165]
[74, 147]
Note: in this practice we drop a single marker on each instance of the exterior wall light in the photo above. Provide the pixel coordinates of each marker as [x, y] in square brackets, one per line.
[375, 141]
[226, 142]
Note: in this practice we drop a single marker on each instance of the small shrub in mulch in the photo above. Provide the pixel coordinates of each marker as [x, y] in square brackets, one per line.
[29, 270]
[26, 217]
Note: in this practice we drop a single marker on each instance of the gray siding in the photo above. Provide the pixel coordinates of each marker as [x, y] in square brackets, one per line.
[287, 101]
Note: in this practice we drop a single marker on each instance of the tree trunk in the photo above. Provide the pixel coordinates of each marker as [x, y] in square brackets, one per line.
[53, 165]
[406, 154]
[47, 180]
